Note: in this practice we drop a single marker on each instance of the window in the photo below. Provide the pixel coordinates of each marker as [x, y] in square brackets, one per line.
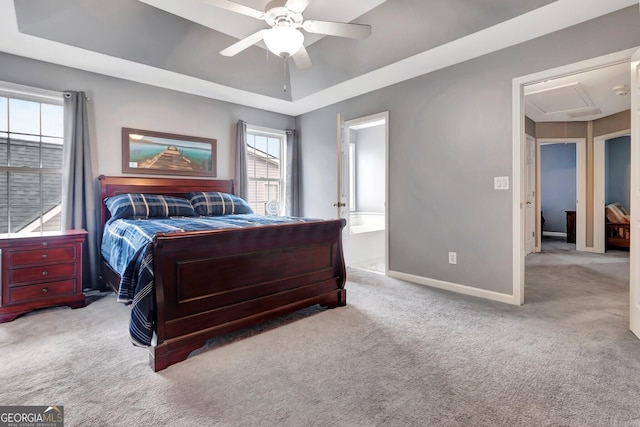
[31, 139]
[265, 165]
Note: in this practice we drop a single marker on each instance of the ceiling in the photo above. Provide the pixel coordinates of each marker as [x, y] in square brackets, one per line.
[175, 44]
[580, 97]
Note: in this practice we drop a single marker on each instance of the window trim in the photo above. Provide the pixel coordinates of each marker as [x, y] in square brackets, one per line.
[29, 93]
[352, 176]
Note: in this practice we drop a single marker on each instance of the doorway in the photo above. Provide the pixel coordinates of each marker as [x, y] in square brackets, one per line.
[519, 158]
[600, 187]
[631, 57]
[561, 191]
[364, 149]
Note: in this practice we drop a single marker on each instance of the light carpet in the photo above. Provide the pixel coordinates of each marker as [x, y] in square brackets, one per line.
[398, 354]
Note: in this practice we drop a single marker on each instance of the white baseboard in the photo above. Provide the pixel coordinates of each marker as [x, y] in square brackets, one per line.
[367, 262]
[455, 287]
[554, 233]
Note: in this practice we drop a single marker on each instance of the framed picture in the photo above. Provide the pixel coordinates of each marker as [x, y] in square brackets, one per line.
[149, 152]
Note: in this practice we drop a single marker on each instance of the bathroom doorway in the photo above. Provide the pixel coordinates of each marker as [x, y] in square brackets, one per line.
[366, 145]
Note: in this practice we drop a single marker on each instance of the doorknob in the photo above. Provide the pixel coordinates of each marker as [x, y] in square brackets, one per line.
[528, 203]
[339, 205]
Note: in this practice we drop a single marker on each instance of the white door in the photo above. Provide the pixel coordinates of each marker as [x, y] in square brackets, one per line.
[599, 170]
[634, 285]
[342, 190]
[343, 170]
[530, 195]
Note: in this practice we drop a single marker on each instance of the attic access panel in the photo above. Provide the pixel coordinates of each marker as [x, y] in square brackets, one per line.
[571, 97]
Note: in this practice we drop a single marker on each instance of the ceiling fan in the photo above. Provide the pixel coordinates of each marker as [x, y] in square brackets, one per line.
[284, 37]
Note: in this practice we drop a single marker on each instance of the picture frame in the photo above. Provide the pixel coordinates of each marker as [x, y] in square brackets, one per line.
[161, 153]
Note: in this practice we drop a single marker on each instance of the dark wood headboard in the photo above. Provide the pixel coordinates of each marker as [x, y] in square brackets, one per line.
[112, 185]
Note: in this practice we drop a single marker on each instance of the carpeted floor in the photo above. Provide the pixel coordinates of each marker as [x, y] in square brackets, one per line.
[398, 354]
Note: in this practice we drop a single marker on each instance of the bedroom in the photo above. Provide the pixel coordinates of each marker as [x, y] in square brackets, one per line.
[450, 135]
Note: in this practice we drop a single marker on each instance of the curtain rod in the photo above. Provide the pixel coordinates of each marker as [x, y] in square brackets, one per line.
[67, 94]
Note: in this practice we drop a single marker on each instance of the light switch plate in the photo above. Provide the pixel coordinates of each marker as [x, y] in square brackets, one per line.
[501, 183]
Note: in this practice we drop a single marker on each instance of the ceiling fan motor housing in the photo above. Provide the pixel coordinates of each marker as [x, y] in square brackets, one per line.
[276, 14]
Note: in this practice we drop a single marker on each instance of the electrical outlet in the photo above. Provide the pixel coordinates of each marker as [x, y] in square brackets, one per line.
[453, 258]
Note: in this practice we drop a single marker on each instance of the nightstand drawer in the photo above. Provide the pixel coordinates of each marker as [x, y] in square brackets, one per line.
[49, 272]
[51, 289]
[42, 255]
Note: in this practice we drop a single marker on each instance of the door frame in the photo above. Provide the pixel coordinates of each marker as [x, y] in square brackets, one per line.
[518, 158]
[581, 187]
[599, 184]
[634, 255]
[346, 125]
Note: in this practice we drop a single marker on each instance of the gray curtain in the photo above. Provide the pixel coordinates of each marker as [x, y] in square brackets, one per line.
[241, 177]
[293, 174]
[78, 183]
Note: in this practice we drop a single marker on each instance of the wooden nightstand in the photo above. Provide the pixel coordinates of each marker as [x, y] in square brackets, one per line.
[40, 270]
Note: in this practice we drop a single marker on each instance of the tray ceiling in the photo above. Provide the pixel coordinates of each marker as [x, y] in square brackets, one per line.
[152, 42]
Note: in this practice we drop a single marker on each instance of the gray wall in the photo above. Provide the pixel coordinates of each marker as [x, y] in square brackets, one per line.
[370, 165]
[557, 184]
[116, 103]
[618, 170]
[449, 135]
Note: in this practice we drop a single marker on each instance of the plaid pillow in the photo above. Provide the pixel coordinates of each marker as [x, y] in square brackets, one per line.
[214, 203]
[137, 206]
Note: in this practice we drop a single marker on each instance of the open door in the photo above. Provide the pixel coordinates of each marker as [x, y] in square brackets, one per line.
[634, 255]
[342, 193]
[343, 181]
[530, 185]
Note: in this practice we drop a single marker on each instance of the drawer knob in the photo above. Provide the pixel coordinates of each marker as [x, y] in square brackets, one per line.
[45, 244]
[45, 290]
[44, 256]
[45, 272]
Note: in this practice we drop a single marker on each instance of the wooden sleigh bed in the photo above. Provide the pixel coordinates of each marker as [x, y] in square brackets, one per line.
[209, 283]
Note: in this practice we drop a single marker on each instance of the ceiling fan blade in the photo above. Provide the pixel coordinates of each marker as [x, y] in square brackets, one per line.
[354, 31]
[238, 47]
[301, 58]
[297, 6]
[235, 7]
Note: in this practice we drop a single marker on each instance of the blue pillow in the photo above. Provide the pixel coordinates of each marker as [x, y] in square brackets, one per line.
[139, 206]
[214, 203]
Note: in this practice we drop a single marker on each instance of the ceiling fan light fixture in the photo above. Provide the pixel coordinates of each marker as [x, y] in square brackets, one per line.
[283, 41]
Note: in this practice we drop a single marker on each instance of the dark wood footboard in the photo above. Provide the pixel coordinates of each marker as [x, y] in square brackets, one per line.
[211, 283]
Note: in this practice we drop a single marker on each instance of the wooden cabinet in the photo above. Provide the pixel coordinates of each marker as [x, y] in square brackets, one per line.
[571, 226]
[40, 270]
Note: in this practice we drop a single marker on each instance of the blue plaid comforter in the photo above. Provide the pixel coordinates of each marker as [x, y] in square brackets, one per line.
[126, 246]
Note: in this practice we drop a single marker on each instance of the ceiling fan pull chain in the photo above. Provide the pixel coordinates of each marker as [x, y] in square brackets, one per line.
[286, 68]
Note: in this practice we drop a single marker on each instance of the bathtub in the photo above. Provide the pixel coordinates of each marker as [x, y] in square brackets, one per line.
[366, 222]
